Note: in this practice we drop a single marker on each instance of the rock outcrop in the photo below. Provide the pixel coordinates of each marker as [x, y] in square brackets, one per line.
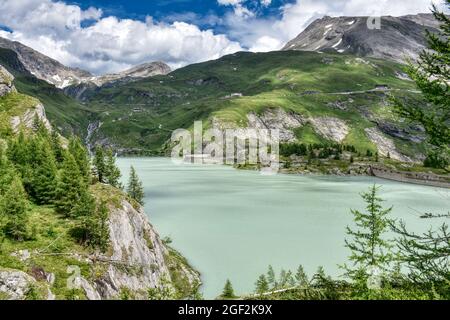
[286, 122]
[18, 285]
[333, 129]
[386, 147]
[6, 82]
[26, 120]
[137, 260]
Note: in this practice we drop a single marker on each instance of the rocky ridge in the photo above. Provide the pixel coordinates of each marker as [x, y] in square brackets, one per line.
[53, 72]
[396, 39]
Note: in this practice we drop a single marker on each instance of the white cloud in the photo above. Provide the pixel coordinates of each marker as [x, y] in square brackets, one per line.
[87, 39]
[266, 34]
[108, 44]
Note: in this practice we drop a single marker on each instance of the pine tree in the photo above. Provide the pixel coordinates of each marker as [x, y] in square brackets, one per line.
[94, 224]
[368, 248]
[70, 186]
[99, 164]
[13, 209]
[44, 175]
[112, 172]
[228, 291]
[301, 277]
[431, 73]
[79, 152]
[262, 285]
[271, 278]
[135, 189]
[57, 148]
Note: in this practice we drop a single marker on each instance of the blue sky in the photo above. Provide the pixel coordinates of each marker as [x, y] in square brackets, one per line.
[207, 14]
[109, 36]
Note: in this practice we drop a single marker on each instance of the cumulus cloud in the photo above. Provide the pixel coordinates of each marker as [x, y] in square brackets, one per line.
[107, 44]
[100, 44]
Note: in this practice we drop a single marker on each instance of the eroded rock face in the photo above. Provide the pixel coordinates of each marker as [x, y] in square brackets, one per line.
[333, 129]
[6, 82]
[27, 119]
[138, 258]
[385, 145]
[135, 245]
[271, 119]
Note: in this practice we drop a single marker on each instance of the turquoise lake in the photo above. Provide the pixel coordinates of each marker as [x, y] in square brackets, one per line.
[233, 224]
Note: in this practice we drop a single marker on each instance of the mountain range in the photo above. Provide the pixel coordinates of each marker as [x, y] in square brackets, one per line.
[330, 84]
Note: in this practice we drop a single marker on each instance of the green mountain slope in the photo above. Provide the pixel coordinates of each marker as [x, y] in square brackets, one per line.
[141, 116]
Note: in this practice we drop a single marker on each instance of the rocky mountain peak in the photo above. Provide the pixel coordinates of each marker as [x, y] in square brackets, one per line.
[53, 72]
[43, 67]
[141, 71]
[398, 37]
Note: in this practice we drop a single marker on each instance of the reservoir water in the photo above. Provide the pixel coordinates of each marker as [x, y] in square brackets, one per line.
[232, 224]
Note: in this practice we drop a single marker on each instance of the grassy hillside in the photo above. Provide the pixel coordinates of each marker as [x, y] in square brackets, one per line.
[142, 115]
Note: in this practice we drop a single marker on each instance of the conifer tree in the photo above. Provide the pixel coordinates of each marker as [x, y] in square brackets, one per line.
[13, 209]
[112, 172]
[44, 175]
[431, 73]
[57, 148]
[135, 189]
[367, 246]
[99, 164]
[94, 224]
[228, 291]
[427, 255]
[79, 152]
[301, 277]
[271, 278]
[262, 285]
[70, 186]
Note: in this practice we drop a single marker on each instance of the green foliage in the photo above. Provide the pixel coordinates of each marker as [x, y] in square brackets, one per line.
[105, 167]
[112, 172]
[262, 285]
[81, 156]
[43, 181]
[367, 245]
[13, 211]
[228, 291]
[431, 73]
[99, 164]
[71, 186]
[134, 188]
[94, 224]
[301, 277]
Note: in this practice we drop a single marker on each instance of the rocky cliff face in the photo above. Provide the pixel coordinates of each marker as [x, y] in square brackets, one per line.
[138, 260]
[396, 39]
[330, 128]
[6, 82]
